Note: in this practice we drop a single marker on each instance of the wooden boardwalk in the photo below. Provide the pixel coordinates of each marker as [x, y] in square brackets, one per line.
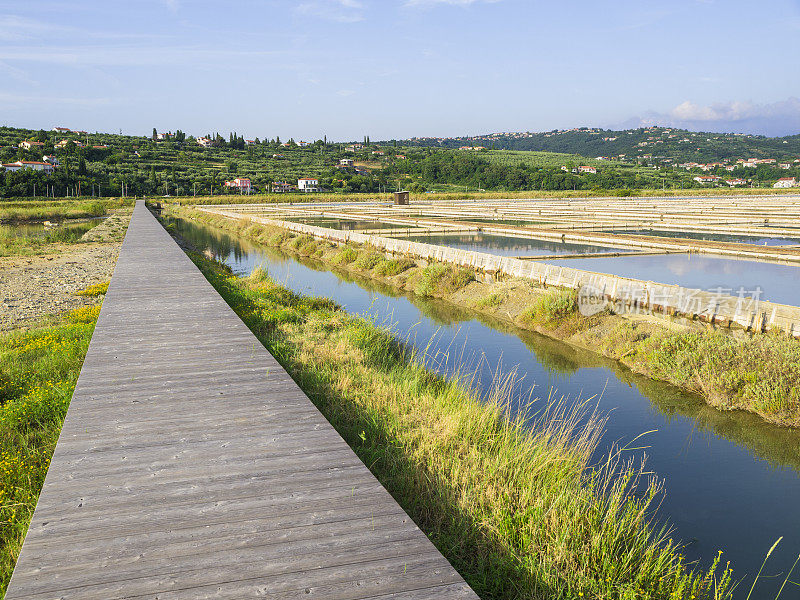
[190, 465]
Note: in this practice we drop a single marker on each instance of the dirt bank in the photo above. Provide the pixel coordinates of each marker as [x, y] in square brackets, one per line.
[32, 287]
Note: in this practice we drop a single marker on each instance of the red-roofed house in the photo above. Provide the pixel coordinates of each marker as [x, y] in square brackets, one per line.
[242, 184]
[28, 145]
[29, 164]
[585, 169]
[785, 182]
[735, 182]
[62, 129]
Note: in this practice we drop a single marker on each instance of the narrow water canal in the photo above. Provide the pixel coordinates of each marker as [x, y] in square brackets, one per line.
[732, 482]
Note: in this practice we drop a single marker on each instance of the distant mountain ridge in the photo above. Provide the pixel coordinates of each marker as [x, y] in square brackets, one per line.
[646, 143]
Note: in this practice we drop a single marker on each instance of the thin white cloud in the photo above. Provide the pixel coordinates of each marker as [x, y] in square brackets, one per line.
[772, 119]
[423, 3]
[131, 56]
[339, 11]
[14, 28]
[25, 100]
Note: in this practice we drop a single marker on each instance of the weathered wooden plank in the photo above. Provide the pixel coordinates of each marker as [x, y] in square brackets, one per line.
[190, 465]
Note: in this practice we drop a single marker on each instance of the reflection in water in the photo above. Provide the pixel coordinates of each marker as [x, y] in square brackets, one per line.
[74, 227]
[731, 479]
[507, 246]
[778, 282]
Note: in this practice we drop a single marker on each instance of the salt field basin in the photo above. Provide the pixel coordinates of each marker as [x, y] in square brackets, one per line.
[502, 245]
[346, 224]
[712, 237]
[778, 282]
[720, 469]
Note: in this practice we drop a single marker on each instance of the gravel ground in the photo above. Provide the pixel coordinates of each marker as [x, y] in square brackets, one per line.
[32, 287]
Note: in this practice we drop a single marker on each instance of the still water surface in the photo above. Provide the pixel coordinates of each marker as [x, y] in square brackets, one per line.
[715, 237]
[502, 245]
[731, 480]
[778, 282]
[346, 224]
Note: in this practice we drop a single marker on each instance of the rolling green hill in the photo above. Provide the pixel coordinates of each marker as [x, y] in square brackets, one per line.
[103, 164]
[658, 143]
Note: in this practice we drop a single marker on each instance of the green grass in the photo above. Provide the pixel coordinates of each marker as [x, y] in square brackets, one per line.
[439, 279]
[491, 301]
[38, 371]
[521, 513]
[760, 373]
[389, 267]
[57, 210]
[345, 256]
[553, 307]
[368, 259]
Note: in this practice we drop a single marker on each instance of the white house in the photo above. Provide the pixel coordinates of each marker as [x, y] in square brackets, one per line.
[281, 187]
[29, 164]
[62, 129]
[585, 169]
[785, 165]
[50, 159]
[28, 145]
[706, 178]
[63, 143]
[346, 162]
[735, 182]
[308, 184]
[785, 182]
[205, 142]
[242, 184]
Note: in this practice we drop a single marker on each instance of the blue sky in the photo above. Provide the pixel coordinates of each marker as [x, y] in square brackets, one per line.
[399, 68]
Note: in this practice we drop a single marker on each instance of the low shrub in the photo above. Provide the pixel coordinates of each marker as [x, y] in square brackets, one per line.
[345, 256]
[93, 291]
[367, 260]
[391, 267]
[439, 279]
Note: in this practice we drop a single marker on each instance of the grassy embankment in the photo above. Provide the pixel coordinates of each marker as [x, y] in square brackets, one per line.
[758, 373]
[15, 242]
[38, 370]
[521, 513]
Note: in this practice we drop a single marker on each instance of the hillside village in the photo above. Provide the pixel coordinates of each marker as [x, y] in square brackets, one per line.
[70, 162]
[660, 145]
